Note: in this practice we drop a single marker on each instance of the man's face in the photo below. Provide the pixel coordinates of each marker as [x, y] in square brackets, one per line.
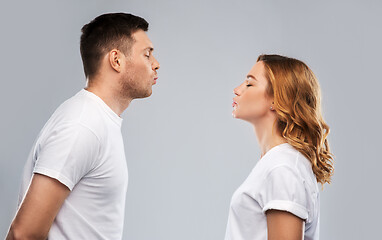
[140, 71]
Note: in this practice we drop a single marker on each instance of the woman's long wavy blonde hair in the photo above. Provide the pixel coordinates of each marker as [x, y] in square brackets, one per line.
[297, 102]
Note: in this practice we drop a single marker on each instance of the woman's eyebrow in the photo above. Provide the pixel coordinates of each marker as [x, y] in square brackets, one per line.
[251, 76]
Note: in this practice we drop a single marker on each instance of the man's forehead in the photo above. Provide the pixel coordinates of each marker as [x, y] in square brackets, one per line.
[142, 40]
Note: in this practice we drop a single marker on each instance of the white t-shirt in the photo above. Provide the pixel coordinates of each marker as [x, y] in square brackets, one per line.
[283, 179]
[82, 147]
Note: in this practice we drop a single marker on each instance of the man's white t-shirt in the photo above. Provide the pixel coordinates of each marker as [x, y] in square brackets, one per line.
[81, 146]
[283, 180]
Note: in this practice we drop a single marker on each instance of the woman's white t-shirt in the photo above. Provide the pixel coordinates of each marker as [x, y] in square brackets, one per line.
[283, 180]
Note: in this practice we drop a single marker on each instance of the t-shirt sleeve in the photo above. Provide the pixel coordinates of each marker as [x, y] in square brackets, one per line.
[68, 154]
[284, 190]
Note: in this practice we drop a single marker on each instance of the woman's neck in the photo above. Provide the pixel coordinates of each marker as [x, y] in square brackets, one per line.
[268, 136]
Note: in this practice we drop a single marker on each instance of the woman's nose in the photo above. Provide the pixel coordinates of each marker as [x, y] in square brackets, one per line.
[236, 91]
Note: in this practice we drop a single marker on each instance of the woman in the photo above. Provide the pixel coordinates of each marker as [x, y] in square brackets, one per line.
[280, 198]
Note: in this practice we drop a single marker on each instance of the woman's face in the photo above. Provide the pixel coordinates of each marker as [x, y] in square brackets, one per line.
[252, 102]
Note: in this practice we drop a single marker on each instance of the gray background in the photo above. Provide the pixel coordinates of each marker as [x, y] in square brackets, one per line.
[186, 154]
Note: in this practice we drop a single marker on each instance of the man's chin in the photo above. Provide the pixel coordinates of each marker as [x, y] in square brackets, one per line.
[144, 95]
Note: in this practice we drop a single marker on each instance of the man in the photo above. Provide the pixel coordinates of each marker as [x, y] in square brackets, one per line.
[75, 179]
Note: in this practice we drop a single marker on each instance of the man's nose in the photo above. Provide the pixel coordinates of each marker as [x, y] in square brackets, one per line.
[156, 64]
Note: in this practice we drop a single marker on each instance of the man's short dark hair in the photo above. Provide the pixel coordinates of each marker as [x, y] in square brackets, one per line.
[106, 32]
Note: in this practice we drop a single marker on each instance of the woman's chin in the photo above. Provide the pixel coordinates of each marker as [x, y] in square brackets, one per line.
[234, 114]
[237, 115]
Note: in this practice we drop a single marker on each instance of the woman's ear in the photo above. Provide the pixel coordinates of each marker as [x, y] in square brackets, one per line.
[272, 108]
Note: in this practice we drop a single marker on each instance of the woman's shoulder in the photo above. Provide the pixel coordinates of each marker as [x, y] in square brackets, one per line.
[285, 156]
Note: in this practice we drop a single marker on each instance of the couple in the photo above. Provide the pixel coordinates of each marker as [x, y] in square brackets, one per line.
[75, 179]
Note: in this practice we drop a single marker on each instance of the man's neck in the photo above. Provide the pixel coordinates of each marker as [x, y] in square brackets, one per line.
[112, 98]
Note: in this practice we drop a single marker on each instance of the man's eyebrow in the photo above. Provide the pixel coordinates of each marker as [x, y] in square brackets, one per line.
[251, 76]
[149, 48]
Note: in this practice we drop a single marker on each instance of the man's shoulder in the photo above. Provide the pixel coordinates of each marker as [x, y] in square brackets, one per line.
[73, 109]
[79, 110]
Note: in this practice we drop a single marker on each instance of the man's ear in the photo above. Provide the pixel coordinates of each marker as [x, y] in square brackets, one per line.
[115, 60]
